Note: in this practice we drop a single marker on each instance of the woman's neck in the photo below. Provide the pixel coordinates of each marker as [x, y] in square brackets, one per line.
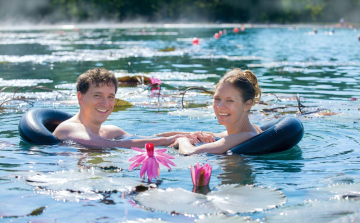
[239, 126]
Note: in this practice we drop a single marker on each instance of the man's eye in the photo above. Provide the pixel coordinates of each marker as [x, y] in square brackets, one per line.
[230, 101]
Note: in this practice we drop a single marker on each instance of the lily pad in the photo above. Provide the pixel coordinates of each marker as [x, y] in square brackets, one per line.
[247, 198]
[225, 219]
[176, 200]
[75, 196]
[226, 198]
[147, 220]
[344, 190]
[317, 211]
[84, 180]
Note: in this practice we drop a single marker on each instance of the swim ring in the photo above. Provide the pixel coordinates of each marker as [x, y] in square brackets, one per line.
[277, 136]
[36, 126]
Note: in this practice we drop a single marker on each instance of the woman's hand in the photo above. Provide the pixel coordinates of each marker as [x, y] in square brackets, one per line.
[204, 137]
[172, 141]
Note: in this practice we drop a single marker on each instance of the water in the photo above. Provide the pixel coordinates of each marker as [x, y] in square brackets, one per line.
[67, 183]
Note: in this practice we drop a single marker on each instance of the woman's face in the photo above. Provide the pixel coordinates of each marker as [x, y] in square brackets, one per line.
[228, 105]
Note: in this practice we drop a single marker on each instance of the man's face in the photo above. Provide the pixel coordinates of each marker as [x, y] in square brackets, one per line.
[97, 103]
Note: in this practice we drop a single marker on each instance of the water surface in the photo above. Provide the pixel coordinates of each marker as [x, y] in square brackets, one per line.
[67, 183]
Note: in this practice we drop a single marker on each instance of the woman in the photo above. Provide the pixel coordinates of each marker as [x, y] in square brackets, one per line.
[234, 96]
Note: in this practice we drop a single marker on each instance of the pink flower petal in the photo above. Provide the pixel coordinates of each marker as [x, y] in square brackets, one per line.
[163, 161]
[160, 150]
[193, 175]
[138, 149]
[143, 167]
[137, 162]
[165, 155]
[136, 157]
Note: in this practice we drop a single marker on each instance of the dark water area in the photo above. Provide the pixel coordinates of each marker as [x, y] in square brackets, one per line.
[317, 180]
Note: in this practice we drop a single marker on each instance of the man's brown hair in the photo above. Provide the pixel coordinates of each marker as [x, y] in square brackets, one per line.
[97, 76]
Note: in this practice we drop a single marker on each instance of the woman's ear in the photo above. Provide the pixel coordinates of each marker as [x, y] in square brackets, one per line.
[248, 104]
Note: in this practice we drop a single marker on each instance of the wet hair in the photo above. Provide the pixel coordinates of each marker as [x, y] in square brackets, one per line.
[97, 76]
[245, 82]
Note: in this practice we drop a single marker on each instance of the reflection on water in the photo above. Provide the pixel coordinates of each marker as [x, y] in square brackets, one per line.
[236, 170]
[96, 185]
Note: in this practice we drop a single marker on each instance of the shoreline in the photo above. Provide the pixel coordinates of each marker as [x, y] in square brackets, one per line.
[170, 26]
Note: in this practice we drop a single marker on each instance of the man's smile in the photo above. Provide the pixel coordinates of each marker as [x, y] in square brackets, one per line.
[100, 110]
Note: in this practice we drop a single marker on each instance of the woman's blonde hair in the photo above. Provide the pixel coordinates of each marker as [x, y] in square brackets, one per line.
[245, 82]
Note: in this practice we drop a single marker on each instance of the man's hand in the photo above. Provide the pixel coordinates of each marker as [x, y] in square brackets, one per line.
[204, 137]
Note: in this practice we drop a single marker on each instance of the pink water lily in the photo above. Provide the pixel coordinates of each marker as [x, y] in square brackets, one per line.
[155, 81]
[150, 159]
[155, 86]
[200, 175]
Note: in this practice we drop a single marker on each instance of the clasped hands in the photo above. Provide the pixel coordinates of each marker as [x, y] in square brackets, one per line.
[195, 137]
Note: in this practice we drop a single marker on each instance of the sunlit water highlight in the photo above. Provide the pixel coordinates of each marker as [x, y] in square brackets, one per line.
[317, 180]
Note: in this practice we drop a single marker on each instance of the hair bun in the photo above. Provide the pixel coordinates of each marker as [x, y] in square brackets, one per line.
[253, 80]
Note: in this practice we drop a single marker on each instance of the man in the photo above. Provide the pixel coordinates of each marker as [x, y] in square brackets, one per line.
[96, 91]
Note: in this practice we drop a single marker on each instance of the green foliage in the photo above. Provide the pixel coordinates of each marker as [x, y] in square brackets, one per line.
[256, 11]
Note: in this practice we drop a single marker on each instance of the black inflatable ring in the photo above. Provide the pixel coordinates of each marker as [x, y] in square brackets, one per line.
[36, 126]
[277, 136]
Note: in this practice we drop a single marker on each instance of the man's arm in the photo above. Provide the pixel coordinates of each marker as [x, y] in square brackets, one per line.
[80, 134]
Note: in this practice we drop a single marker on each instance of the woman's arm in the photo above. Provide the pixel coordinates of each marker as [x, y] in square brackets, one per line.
[217, 147]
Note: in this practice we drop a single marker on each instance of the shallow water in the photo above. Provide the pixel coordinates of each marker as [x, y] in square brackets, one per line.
[66, 183]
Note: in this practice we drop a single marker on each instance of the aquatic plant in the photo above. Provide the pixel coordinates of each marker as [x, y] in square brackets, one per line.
[201, 175]
[150, 160]
[230, 198]
[13, 98]
[155, 81]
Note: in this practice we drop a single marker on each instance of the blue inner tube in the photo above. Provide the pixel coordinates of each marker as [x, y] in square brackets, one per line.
[36, 126]
[277, 136]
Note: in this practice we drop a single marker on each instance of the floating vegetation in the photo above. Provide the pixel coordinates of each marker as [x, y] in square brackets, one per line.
[36, 212]
[225, 219]
[122, 103]
[147, 220]
[7, 100]
[90, 180]
[173, 76]
[317, 211]
[134, 79]
[346, 191]
[167, 49]
[226, 198]
[119, 161]
[23, 82]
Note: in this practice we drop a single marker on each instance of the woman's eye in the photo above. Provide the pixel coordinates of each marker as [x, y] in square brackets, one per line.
[230, 101]
[216, 99]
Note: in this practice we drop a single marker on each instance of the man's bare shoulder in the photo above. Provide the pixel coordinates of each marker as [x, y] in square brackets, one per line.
[67, 127]
[112, 131]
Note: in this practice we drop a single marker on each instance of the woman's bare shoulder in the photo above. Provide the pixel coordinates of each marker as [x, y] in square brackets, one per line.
[257, 128]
